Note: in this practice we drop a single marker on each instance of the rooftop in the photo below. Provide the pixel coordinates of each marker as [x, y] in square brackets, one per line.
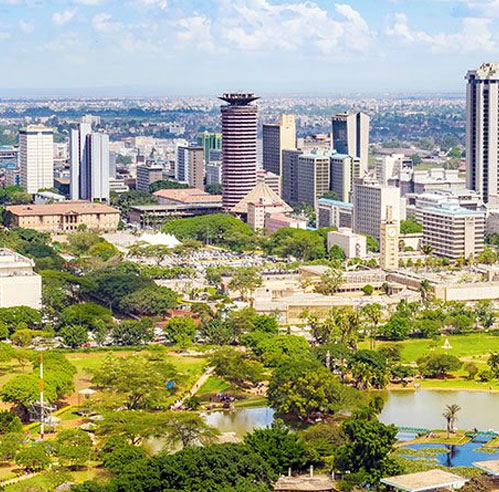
[446, 208]
[188, 195]
[261, 192]
[62, 208]
[425, 481]
[238, 98]
[491, 467]
[335, 202]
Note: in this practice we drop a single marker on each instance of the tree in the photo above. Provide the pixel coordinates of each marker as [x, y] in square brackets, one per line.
[73, 447]
[87, 314]
[438, 365]
[74, 336]
[235, 367]
[20, 317]
[493, 363]
[166, 184]
[424, 288]
[9, 422]
[140, 382]
[181, 330]
[471, 369]
[279, 447]
[302, 244]
[133, 332]
[265, 323]
[303, 388]
[10, 444]
[330, 282]
[488, 256]
[450, 415]
[336, 253]
[368, 290]
[119, 457]
[245, 280]
[372, 313]
[367, 450]
[372, 244]
[485, 313]
[272, 350]
[188, 429]
[397, 328]
[34, 457]
[149, 301]
[410, 226]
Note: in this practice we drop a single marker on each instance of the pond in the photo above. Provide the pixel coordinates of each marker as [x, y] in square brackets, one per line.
[421, 408]
[453, 456]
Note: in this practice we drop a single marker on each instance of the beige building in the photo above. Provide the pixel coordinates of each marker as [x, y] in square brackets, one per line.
[273, 181]
[259, 210]
[275, 222]
[19, 284]
[313, 178]
[190, 166]
[353, 245]
[277, 138]
[453, 231]
[36, 158]
[344, 170]
[65, 216]
[389, 242]
[370, 203]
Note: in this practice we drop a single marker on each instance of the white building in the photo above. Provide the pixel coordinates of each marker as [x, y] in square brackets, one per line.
[453, 231]
[36, 158]
[89, 164]
[353, 245]
[343, 172]
[334, 213]
[370, 203]
[391, 166]
[44, 197]
[214, 173]
[19, 284]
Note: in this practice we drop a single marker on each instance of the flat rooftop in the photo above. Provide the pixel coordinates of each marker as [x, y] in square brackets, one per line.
[491, 466]
[188, 195]
[319, 483]
[70, 207]
[425, 481]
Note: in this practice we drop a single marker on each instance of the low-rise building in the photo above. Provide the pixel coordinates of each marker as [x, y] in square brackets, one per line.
[44, 197]
[275, 222]
[453, 231]
[353, 245]
[65, 216]
[187, 196]
[259, 210]
[19, 284]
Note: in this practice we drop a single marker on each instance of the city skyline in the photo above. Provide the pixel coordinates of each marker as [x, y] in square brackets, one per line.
[286, 46]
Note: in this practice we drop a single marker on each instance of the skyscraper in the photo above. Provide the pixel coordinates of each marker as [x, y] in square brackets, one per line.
[313, 178]
[211, 143]
[36, 158]
[482, 131]
[350, 132]
[277, 138]
[89, 164]
[190, 166]
[239, 148]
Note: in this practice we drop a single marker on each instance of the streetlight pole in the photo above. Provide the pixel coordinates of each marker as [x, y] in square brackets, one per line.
[42, 411]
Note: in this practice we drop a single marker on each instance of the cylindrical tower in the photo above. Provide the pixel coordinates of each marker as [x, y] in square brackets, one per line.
[239, 130]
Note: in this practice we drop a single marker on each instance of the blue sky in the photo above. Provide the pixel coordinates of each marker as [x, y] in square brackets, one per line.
[271, 46]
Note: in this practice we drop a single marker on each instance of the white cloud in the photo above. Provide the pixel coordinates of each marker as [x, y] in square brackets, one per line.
[104, 23]
[258, 25]
[26, 26]
[61, 18]
[162, 4]
[475, 35]
[4, 35]
[90, 3]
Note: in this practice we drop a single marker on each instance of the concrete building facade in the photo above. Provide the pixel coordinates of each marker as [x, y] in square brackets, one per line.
[344, 170]
[147, 175]
[289, 179]
[353, 245]
[36, 158]
[334, 213]
[239, 147]
[190, 166]
[277, 138]
[313, 178]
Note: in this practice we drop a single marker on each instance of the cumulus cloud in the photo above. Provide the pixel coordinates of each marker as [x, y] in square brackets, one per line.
[162, 4]
[26, 27]
[259, 25]
[61, 18]
[475, 35]
[104, 23]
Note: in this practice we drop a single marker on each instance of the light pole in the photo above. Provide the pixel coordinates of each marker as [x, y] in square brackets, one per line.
[42, 413]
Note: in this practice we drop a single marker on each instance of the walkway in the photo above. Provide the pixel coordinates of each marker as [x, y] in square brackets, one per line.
[195, 388]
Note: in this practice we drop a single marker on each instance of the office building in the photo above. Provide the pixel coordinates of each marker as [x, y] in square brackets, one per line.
[64, 217]
[353, 245]
[370, 203]
[389, 242]
[118, 185]
[19, 284]
[190, 166]
[333, 213]
[344, 170]
[239, 147]
[289, 179]
[211, 143]
[275, 222]
[313, 178]
[147, 175]
[277, 138]
[453, 231]
[318, 143]
[482, 131]
[214, 173]
[390, 167]
[270, 179]
[259, 210]
[426, 180]
[36, 158]
[350, 133]
[89, 164]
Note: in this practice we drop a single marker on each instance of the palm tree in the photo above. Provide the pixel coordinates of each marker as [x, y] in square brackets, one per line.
[424, 289]
[372, 313]
[450, 415]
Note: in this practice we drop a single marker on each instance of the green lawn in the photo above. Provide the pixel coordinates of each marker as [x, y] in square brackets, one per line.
[213, 385]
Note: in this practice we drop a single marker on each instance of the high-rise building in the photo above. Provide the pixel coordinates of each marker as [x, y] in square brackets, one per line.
[370, 203]
[313, 178]
[36, 158]
[210, 142]
[389, 242]
[270, 179]
[214, 173]
[453, 231]
[277, 138]
[190, 166]
[333, 213]
[350, 133]
[239, 147]
[89, 164]
[147, 175]
[482, 132]
[344, 170]
[289, 178]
